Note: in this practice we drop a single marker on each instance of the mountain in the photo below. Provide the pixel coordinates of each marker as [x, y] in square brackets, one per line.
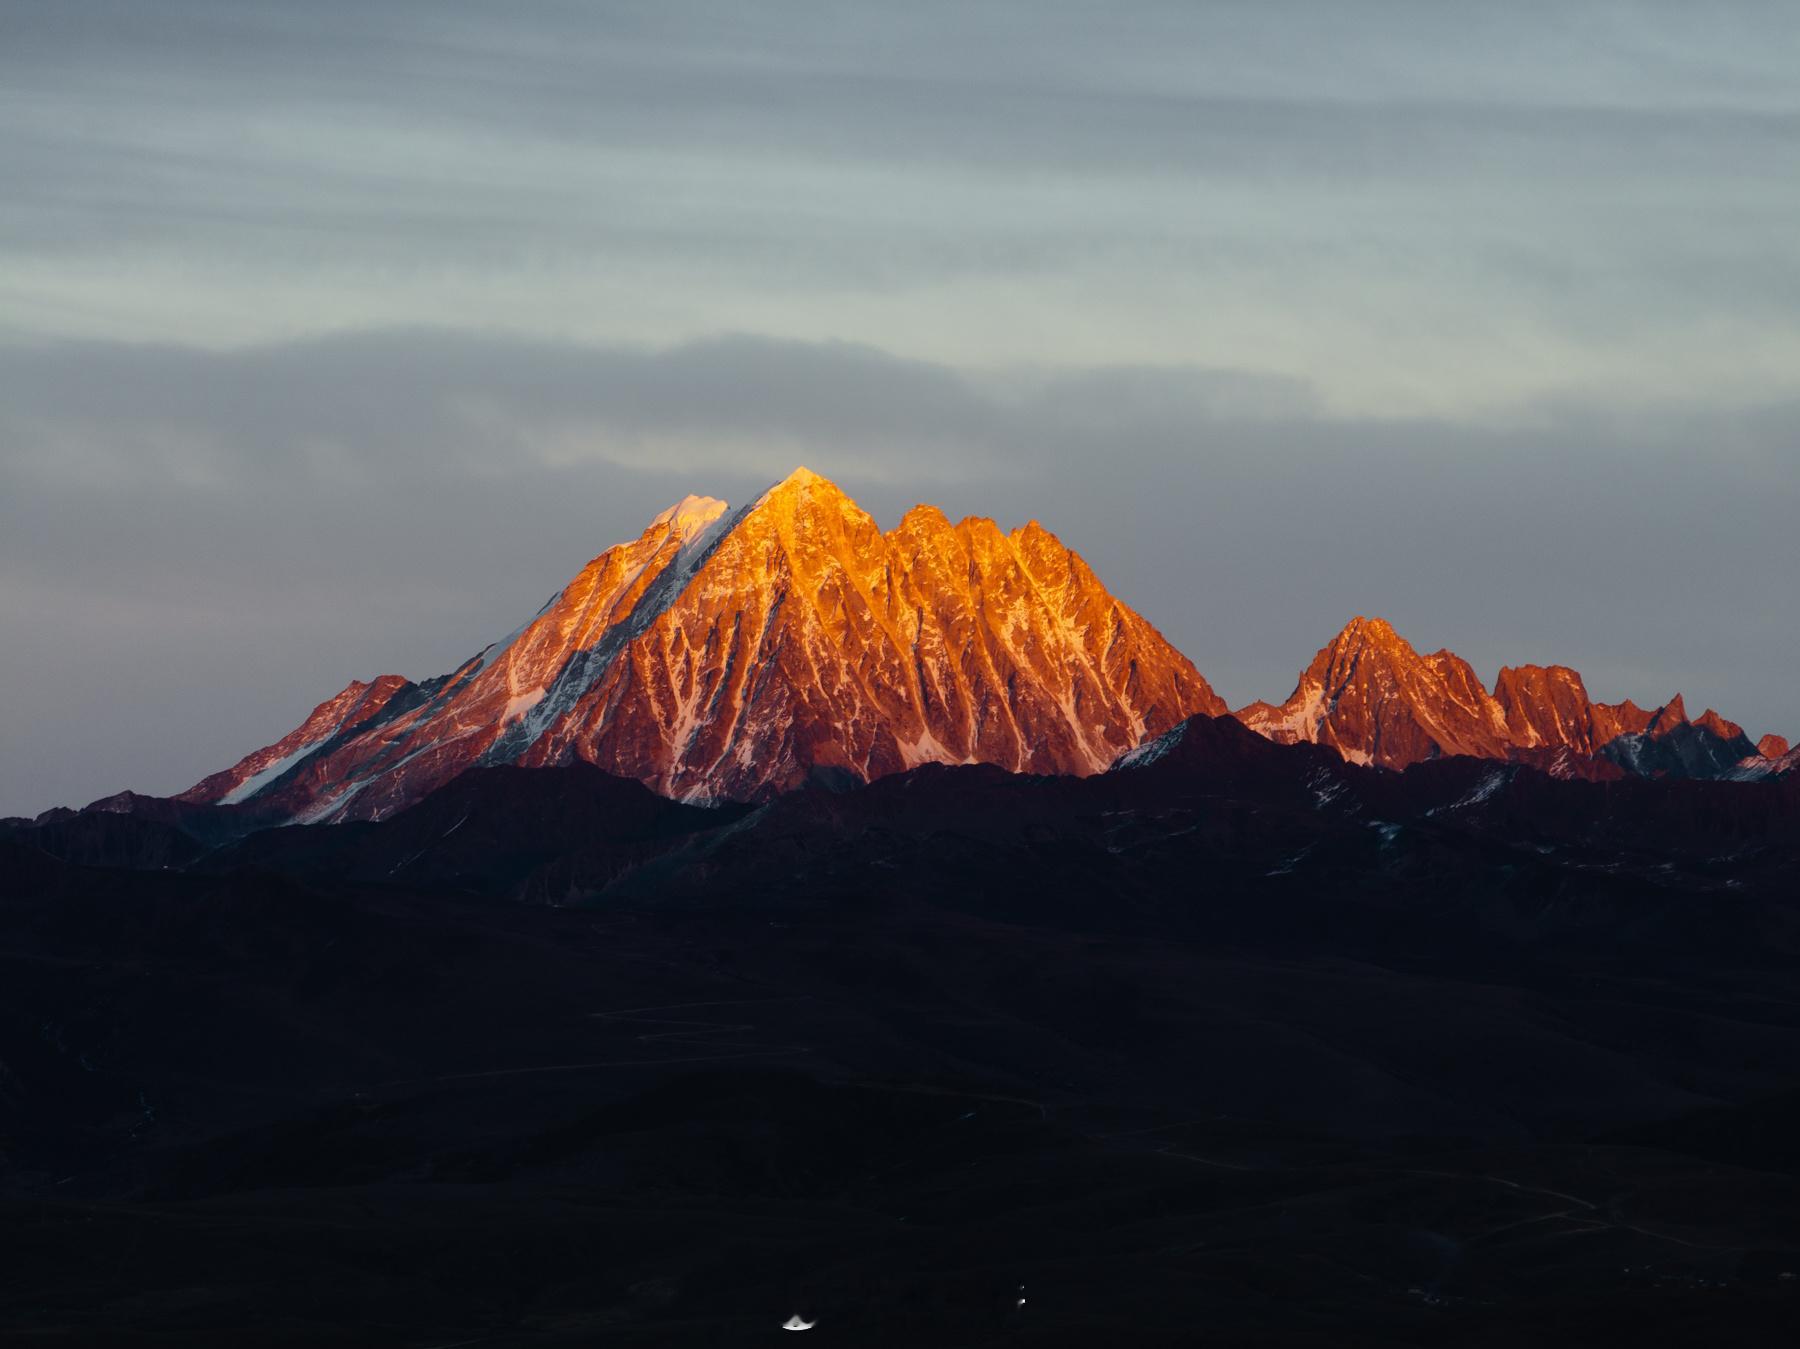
[739, 654]
[1376, 700]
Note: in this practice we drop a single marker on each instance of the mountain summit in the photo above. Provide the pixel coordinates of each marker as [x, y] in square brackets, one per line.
[739, 653]
[1374, 699]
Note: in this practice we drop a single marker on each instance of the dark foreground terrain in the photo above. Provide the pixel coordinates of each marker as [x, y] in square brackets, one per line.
[1240, 1047]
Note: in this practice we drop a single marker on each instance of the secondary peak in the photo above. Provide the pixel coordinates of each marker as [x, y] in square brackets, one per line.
[690, 516]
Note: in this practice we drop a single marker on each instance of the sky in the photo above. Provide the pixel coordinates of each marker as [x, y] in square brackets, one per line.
[335, 337]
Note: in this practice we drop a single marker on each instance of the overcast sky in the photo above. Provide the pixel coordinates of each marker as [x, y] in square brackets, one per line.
[334, 337]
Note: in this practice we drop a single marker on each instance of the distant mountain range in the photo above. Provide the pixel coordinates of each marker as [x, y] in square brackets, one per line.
[1373, 698]
[736, 655]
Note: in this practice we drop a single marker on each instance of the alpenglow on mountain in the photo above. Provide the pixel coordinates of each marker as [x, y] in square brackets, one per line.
[741, 653]
[1369, 695]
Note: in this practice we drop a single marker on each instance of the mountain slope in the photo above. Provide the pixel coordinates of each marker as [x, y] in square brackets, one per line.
[737, 655]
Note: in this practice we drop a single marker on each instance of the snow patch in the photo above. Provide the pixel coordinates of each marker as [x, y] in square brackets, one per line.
[253, 784]
[1294, 721]
[1151, 750]
[1289, 864]
[1482, 791]
[927, 748]
[521, 703]
[323, 809]
[692, 517]
[1324, 789]
[1749, 769]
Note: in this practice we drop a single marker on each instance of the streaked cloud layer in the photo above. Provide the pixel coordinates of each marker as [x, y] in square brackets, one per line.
[303, 309]
[1423, 206]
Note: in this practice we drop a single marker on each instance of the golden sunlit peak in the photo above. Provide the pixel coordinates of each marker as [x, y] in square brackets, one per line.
[925, 516]
[730, 654]
[691, 515]
[804, 477]
[803, 485]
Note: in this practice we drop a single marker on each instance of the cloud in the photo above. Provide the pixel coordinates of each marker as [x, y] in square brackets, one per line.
[196, 546]
[1417, 209]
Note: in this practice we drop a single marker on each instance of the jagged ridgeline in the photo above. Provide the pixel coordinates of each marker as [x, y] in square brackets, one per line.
[737, 654]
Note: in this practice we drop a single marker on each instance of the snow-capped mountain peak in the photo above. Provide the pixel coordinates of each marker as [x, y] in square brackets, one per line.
[738, 654]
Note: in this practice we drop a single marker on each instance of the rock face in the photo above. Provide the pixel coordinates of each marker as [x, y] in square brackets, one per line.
[739, 654]
[1549, 705]
[1374, 699]
[356, 705]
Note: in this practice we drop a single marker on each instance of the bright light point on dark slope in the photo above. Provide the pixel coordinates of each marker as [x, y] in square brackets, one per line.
[794, 1322]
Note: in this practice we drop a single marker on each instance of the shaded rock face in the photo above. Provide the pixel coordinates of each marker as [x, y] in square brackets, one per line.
[1375, 699]
[1673, 746]
[740, 654]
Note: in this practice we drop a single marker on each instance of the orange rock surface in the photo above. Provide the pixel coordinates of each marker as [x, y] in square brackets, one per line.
[737, 654]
